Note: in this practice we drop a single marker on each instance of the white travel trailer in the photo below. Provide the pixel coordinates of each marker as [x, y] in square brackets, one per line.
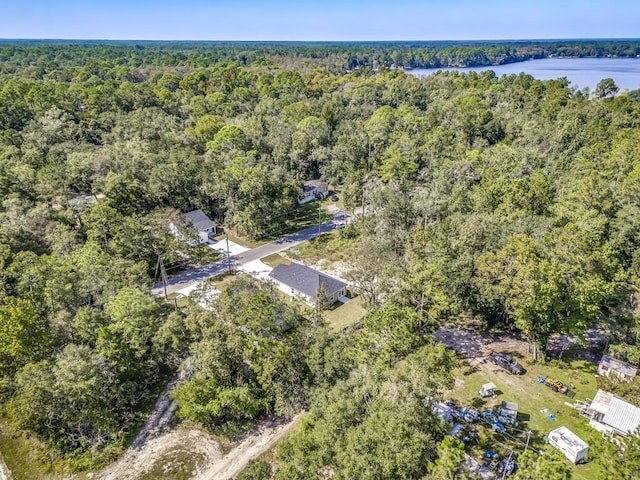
[573, 447]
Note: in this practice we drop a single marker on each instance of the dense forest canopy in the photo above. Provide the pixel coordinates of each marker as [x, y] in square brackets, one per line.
[336, 55]
[510, 199]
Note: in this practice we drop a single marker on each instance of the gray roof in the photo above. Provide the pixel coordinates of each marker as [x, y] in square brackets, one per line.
[622, 416]
[311, 185]
[619, 366]
[198, 219]
[513, 406]
[305, 280]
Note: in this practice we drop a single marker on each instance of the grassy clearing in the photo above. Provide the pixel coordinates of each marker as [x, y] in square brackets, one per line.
[303, 216]
[29, 459]
[533, 397]
[274, 260]
[329, 247]
[220, 282]
[345, 315]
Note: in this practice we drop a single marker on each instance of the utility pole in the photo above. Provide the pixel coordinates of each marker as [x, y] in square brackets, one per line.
[528, 437]
[318, 217]
[163, 275]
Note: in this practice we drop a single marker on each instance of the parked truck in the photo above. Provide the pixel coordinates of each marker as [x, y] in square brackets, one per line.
[505, 361]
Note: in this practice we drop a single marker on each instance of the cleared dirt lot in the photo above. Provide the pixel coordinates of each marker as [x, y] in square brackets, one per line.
[186, 453]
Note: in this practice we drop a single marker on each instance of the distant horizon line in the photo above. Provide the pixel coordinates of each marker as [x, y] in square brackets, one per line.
[495, 40]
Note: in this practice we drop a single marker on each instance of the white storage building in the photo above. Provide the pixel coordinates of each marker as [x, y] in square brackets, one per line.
[612, 414]
[573, 447]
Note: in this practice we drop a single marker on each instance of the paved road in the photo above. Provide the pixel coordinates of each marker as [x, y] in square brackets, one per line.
[184, 279]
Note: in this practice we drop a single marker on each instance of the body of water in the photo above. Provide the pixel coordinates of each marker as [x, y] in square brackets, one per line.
[581, 72]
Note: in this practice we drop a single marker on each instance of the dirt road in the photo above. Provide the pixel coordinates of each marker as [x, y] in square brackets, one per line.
[194, 454]
[254, 446]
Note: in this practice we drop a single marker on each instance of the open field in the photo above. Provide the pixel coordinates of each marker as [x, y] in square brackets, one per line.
[329, 248]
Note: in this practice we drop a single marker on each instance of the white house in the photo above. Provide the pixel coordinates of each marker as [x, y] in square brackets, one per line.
[611, 414]
[303, 282]
[312, 190]
[573, 447]
[196, 219]
[610, 366]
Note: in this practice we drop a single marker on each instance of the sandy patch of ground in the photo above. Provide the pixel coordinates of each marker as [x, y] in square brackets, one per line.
[261, 439]
[200, 448]
[339, 270]
[475, 347]
[471, 344]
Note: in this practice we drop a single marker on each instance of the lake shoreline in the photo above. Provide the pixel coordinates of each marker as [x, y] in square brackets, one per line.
[529, 59]
[581, 72]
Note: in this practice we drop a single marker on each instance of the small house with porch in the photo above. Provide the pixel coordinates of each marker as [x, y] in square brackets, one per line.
[313, 190]
[613, 367]
[197, 220]
[303, 282]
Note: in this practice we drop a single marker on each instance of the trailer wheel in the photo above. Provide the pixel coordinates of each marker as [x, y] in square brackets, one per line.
[555, 389]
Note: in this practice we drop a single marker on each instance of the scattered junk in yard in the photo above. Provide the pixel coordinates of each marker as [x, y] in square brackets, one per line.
[497, 426]
[442, 411]
[505, 361]
[457, 427]
[487, 390]
[507, 466]
[555, 385]
[467, 421]
[469, 415]
[478, 470]
[507, 413]
[572, 446]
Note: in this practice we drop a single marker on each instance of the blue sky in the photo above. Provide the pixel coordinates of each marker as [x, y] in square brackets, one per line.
[319, 20]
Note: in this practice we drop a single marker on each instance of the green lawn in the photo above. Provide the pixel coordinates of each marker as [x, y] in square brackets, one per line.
[274, 260]
[532, 397]
[328, 246]
[301, 217]
[345, 315]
